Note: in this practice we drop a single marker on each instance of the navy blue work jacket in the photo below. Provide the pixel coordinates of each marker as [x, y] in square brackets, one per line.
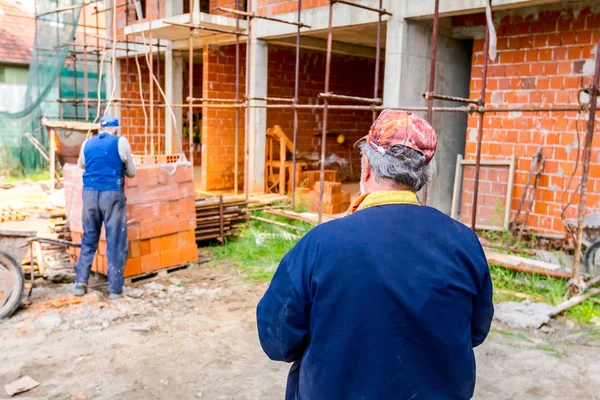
[387, 303]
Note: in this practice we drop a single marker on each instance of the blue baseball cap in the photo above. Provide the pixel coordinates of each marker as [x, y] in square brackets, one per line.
[109, 120]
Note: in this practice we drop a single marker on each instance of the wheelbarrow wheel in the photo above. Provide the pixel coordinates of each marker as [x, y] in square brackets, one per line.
[592, 259]
[12, 285]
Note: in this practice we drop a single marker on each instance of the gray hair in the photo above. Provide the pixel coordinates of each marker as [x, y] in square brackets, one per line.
[110, 129]
[406, 168]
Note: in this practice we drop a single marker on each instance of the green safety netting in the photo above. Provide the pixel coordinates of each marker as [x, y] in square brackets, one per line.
[51, 77]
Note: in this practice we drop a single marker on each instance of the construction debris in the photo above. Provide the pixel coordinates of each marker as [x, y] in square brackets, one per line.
[280, 224]
[10, 214]
[21, 385]
[523, 315]
[209, 219]
[526, 265]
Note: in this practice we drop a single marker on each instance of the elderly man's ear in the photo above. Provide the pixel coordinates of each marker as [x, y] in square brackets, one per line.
[366, 168]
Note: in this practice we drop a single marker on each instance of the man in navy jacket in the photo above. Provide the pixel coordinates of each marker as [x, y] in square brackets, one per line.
[389, 302]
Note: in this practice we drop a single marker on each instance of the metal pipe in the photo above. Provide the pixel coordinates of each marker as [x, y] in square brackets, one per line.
[151, 104]
[127, 77]
[205, 28]
[247, 124]
[110, 8]
[85, 67]
[202, 99]
[380, 10]
[190, 96]
[436, 21]
[431, 96]
[158, 137]
[377, 62]
[98, 63]
[252, 15]
[325, 111]
[295, 101]
[236, 167]
[350, 98]
[290, 100]
[486, 46]
[527, 109]
[60, 69]
[221, 221]
[75, 87]
[587, 153]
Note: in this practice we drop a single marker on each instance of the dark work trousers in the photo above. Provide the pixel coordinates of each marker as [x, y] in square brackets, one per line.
[106, 207]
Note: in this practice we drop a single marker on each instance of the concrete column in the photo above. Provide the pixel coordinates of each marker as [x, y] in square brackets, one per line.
[174, 94]
[407, 65]
[173, 8]
[258, 116]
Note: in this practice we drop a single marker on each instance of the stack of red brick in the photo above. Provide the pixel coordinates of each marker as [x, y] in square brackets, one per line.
[161, 215]
[335, 201]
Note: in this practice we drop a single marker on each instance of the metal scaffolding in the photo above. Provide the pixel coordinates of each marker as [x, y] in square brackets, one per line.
[247, 103]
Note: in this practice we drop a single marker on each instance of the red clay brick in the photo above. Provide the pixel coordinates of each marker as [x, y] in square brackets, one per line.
[170, 258]
[151, 262]
[188, 253]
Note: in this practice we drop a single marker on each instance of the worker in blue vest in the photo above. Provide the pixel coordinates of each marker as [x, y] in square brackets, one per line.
[106, 159]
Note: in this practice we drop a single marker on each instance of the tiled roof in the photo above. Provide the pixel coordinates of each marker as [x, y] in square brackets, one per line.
[17, 32]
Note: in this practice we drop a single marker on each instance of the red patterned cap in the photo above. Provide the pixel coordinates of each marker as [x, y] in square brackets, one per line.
[397, 127]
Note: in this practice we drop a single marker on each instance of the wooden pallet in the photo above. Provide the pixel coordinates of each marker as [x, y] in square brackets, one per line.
[10, 214]
[154, 275]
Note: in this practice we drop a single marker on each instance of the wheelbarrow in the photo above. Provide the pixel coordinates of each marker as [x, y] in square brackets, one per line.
[14, 246]
[590, 240]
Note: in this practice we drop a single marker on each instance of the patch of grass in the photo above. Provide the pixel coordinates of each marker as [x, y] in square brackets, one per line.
[540, 288]
[512, 335]
[504, 240]
[554, 351]
[260, 247]
[592, 335]
[36, 177]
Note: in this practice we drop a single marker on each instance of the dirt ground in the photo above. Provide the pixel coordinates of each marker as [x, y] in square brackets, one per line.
[193, 335]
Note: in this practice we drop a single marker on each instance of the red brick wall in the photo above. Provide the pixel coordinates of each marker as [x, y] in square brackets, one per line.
[132, 113]
[349, 76]
[218, 125]
[543, 59]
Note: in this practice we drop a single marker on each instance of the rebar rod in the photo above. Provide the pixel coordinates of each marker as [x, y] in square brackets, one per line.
[247, 122]
[191, 95]
[430, 96]
[377, 62]
[295, 101]
[206, 28]
[434, 39]
[333, 96]
[325, 112]
[252, 15]
[283, 99]
[85, 67]
[236, 167]
[357, 5]
[587, 153]
[486, 46]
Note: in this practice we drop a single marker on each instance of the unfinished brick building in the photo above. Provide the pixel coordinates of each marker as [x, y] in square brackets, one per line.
[545, 54]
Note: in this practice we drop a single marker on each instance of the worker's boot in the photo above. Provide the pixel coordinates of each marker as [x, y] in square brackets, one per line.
[79, 289]
[114, 296]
